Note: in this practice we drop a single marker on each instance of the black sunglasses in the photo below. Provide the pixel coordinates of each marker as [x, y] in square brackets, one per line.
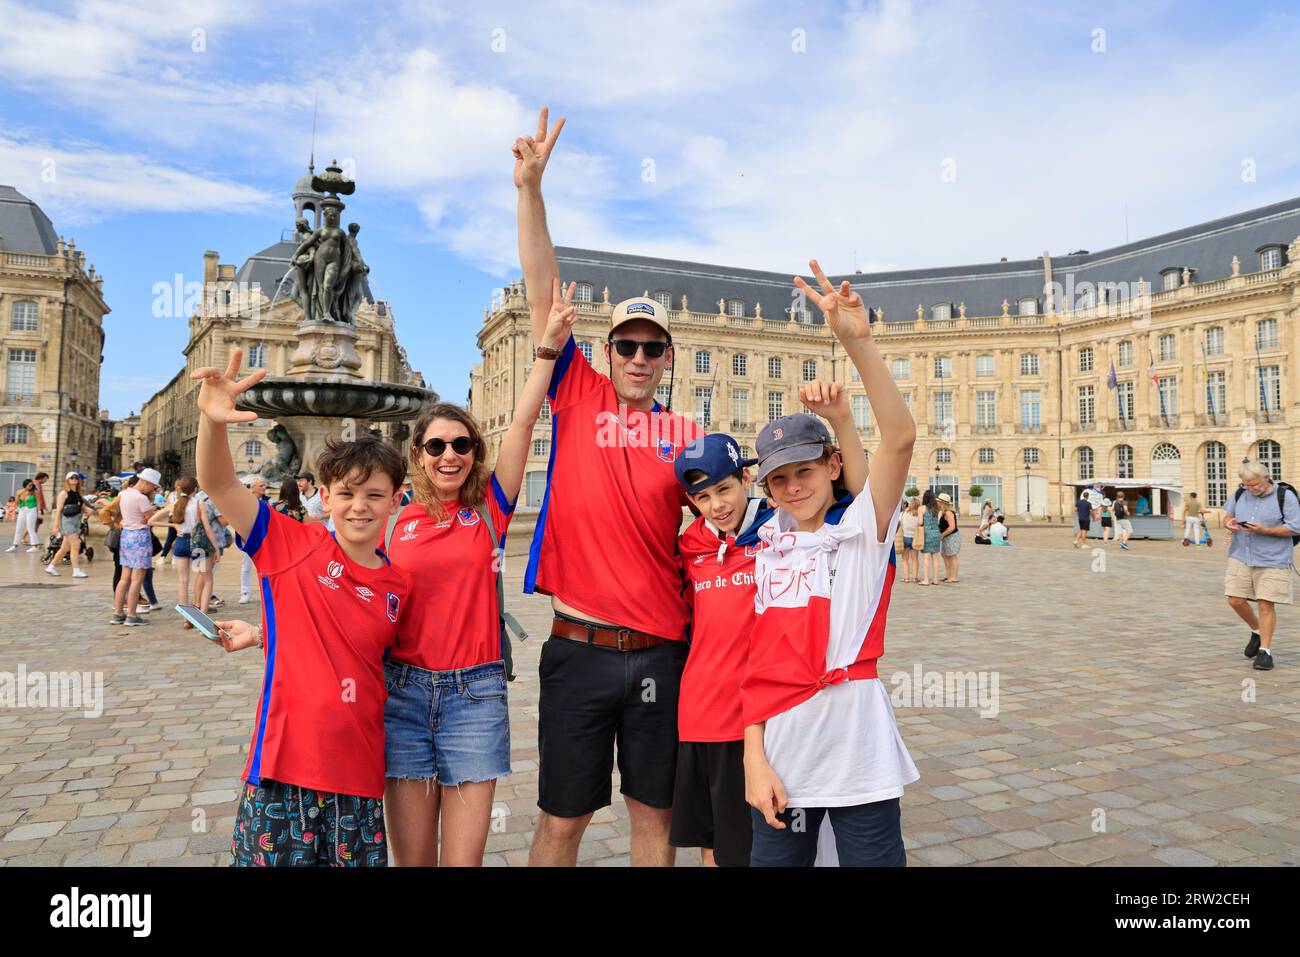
[461, 445]
[627, 348]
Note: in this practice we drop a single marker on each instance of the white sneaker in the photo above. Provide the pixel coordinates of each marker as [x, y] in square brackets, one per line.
[78, 573]
[154, 607]
[244, 599]
[34, 548]
[51, 570]
[11, 548]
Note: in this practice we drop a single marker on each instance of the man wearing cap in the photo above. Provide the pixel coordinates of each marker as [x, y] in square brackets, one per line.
[311, 498]
[605, 550]
[135, 547]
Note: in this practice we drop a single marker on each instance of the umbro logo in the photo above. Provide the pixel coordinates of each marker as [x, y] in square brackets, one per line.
[364, 593]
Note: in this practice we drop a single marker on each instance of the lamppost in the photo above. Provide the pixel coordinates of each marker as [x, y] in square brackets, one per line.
[1027, 505]
[934, 486]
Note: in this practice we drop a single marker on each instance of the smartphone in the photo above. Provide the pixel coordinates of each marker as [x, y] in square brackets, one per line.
[1247, 524]
[206, 626]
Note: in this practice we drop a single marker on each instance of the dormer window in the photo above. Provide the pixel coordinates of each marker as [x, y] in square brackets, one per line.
[664, 298]
[736, 307]
[1028, 306]
[1171, 278]
[1270, 257]
[940, 311]
[583, 292]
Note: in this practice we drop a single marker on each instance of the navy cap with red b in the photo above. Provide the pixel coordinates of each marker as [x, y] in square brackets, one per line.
[716, 455]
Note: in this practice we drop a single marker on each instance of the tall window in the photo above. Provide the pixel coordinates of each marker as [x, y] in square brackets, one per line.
[257, 356]
[16, 434]
[1029, 364]
[986, 409]
[1270, 258]
[1216, 394]
[703, 360]
[1270, 388]
[861, 412]
[775, 405]
[942, 367]
[1266, 334]
[582, 293]
[987, 456]
[703, 405]
[663, 393]
[942, 408]
[900, 368]
[735, 307]
[1030, 409]
[1214, 341]
[1270, 456]
[1085, 463]
[984, 366]
[1167, 390]
[1028, 306]
[940, 311]
[24, 316]
[809, 370]
[1087, 405]
[740, 364]
[1171, 279]
[943, 456]
[664, 298]
[1125, 400]
[739, 408]
[1168, 348]
[1124, 461]
[1216, 474]
[585, 349]
[1086, 358]
[1125, 351]
[774, 367]
[22, 372]
[545, 414]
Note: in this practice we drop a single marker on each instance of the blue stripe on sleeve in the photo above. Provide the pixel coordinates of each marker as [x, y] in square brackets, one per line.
[562, 366]
[257, 534]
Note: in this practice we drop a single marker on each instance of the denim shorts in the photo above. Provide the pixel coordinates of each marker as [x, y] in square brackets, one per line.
[451, 726]
[181, 547]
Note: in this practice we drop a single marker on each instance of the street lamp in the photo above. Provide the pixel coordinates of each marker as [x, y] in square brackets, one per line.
[1027, 506]
[934, 486]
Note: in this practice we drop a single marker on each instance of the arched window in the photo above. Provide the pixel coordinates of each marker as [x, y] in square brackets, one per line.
[1085, 463]
[1269, 455]
[253, 449]
[16, 434]
[664, 298]
[1216, 474]
[24, 316]
[583, 292]
[1124, 461]
[940, 311]
[1270, 257]
[736, 307]
[1028, 306]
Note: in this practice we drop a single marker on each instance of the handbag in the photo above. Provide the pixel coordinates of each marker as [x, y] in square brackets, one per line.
[114, 538]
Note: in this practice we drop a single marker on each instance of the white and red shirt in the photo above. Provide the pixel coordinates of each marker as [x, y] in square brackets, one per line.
[821, 599]
[327, 622]
[720, 575]
[452, 620]
[606, 538]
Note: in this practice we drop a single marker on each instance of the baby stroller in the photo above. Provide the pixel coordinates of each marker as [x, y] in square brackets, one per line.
[56, 540]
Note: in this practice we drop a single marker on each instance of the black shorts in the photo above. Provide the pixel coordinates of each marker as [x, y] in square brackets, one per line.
[1085, 524]
[594, 699]
[709, 808]
[1105, 523]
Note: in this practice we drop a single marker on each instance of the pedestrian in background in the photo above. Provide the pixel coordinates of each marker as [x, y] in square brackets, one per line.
[908, 523]
[949, 538]
[930, 517]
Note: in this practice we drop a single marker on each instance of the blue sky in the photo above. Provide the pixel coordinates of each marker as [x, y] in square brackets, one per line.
[776, 132]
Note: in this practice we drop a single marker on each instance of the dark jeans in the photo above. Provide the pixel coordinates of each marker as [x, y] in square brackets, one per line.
[171, 540]
[866, 835]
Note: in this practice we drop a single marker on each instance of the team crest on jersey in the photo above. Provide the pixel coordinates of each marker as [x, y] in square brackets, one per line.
[364, 593]
[332, 571]
[752, 550]
[410, 528]
[666, 451]
[393, 603]
[467, 517]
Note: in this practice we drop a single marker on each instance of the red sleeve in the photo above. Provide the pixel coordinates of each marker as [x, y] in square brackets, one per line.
[573, 377]
[276, 541]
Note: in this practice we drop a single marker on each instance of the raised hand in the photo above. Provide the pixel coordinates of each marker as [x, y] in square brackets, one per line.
[219, 390]
[830, 400]
[533, 152]
[559, 324]
[843, 308]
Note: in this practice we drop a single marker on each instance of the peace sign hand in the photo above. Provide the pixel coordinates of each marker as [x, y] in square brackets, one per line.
[219, 390]
[843, 308]
[559, 324]
[830, 400]
[533, 152]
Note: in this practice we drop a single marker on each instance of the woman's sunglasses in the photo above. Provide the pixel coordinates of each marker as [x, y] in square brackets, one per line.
[461, 445]
[627, 348]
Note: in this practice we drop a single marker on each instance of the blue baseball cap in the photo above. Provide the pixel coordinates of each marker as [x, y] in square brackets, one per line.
[716, 455]
[801, 437]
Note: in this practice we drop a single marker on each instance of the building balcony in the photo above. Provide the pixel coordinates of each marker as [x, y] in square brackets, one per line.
[1217, 419]
[20, 400]
[1123, 425]
[987, 429]
[1083, 427]
[1023, 429]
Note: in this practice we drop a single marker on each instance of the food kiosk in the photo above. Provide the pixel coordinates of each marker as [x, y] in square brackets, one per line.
[1151, 505]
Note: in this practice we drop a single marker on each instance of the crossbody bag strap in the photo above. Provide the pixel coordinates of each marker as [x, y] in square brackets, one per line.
[507, 622]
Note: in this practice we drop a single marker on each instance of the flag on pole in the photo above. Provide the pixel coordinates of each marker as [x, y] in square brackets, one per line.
[1209, 393]
[1259, 374]
[1151, 371]
[1112, 381]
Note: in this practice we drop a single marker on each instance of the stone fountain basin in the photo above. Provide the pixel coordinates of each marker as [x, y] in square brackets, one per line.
[285, 396]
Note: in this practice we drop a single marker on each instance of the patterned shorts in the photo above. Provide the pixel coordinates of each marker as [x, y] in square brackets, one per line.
[136, 548]
[283, 825]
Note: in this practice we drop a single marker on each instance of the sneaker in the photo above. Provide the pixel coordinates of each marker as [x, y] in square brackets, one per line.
[1252, 646]
[34, 548]
[133, 620]
[51, 570]
[244, 599]
[12, 548]
[1263, 660]
[78, 573]
[117, 620]
[1124, 545]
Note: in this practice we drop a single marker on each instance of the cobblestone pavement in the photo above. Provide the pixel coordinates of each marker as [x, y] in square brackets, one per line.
[1129, 727]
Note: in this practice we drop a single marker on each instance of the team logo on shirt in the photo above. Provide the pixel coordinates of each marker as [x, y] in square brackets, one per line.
[409, 528]
[393, 604]
[752, 550]
[699, 559]
[332, 571]
[666, 451]
[364, 593]
[467, 517]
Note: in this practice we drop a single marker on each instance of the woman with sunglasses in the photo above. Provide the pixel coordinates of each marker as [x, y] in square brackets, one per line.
[446, 721]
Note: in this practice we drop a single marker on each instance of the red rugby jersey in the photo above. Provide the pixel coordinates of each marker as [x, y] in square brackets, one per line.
[720, 575]
[327, 622]
[452, 620]
[606, 538]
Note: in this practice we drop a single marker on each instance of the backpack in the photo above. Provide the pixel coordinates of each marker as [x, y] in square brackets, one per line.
[507, 620]
[1281, 488]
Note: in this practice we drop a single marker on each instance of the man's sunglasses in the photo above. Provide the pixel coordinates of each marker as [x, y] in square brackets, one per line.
[461, 445]
[627, 348]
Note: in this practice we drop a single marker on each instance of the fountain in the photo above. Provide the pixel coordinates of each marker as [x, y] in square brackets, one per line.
[324, 382]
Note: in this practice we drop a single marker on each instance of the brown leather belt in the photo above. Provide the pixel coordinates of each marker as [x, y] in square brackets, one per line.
[624, 639]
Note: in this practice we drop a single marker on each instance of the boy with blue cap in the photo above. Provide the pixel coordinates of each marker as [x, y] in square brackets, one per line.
[718, 550]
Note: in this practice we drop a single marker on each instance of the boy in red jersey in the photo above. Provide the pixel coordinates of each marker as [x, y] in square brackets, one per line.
[331, 603]
[718, 551]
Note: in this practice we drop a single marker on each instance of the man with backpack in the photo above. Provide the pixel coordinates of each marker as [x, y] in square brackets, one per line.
[1264, 519]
